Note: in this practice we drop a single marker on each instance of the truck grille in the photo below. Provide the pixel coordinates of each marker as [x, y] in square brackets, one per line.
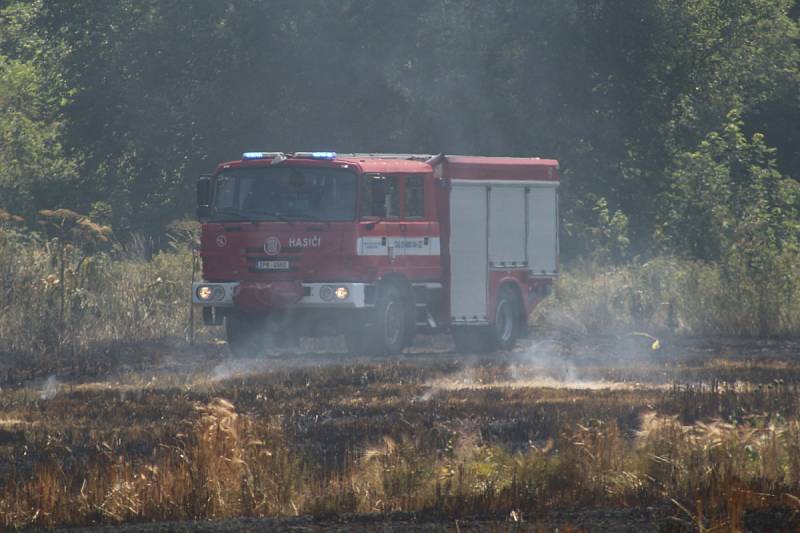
[260, 251]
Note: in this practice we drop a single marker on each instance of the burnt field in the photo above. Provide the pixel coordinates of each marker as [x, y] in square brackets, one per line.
[593, 433]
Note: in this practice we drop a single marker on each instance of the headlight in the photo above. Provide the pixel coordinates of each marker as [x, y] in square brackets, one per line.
[342, 293]
[219, 293]
[326, 293]
[204, 292]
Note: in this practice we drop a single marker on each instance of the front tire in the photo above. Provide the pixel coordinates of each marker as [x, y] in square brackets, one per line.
[387, 329]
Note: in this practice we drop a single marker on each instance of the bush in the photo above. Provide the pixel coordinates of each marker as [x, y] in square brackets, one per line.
[682, 296]
[106, 299]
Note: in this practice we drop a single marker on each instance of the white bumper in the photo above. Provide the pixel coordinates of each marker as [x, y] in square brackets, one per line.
[315, 295]
[319, 295]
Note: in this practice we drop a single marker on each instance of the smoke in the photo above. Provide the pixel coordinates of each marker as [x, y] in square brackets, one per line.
[239, 368]
[613, 364]
[545, 359]
[49, 389]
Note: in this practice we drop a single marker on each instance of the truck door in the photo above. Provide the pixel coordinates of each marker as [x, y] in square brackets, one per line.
[380, 207]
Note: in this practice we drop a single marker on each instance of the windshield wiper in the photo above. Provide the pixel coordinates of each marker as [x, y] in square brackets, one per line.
[271, 214]
[221, 215]
[241, 216]
[312, 217]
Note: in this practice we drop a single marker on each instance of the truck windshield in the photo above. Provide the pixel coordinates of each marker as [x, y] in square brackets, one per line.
[285, 193]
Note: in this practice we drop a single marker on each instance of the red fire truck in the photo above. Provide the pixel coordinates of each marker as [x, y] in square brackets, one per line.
[377, 247]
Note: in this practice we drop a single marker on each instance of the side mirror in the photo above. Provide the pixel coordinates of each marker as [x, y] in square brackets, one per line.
[204, 197]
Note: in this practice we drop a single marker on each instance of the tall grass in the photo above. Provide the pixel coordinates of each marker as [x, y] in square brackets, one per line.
[677, 295]
[219, 464]
[65, 299]
[223, 464]
[107, 297]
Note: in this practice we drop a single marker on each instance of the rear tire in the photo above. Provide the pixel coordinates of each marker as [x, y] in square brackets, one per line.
[502, 335]
[507, 320]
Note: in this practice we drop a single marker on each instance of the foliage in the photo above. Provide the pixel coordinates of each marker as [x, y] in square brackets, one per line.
[728, 197]
[154, 93]
[33, 168]
[61, 298]
[675, 296]
[729, 204]
[605, 236]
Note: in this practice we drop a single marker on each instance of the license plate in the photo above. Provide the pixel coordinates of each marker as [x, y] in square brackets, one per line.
[272, 265]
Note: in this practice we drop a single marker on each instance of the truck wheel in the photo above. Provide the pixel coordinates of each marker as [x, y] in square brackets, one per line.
[387, 331]
[391, 320]
[245, 335]
[502, 335]
[507, 323]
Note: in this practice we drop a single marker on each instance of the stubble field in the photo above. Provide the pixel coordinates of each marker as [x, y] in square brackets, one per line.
[601, 433]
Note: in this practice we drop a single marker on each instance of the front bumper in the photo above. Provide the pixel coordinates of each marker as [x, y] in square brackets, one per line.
[256, 296]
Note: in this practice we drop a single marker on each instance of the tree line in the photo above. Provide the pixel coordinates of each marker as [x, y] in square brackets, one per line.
[675, 121]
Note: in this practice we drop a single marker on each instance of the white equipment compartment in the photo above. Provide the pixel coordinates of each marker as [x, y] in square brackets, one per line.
[498, 225]
[468, 252]
[543, 229]
[507, 240]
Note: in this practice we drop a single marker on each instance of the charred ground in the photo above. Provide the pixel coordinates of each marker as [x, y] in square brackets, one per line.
[704, 431]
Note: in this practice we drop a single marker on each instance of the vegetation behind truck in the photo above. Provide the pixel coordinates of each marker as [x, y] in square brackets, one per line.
[377, 247]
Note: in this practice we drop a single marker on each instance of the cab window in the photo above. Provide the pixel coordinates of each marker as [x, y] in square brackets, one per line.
[380, 196]
[415, 197]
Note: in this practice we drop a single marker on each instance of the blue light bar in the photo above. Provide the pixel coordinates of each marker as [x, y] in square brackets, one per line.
[253, 155]
[315, 155]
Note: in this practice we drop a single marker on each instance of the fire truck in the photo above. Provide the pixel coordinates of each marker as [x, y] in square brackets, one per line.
[376, 247]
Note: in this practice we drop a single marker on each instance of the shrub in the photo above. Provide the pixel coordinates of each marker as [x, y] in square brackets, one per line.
[682, 296]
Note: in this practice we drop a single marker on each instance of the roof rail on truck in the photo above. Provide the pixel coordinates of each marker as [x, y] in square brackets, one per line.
[410, 157]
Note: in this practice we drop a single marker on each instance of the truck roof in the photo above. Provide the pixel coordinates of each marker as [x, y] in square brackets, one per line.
[463, 167]
[455, 166]
[378, 163]
[385, 164]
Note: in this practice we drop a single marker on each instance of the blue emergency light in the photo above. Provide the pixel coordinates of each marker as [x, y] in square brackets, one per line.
[304, 155]
[315, 155]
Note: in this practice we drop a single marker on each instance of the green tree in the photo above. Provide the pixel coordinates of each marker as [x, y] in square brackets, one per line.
[34, 170]
[729, 204]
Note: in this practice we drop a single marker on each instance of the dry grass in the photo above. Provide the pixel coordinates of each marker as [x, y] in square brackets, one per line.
[292, 441]
[102, 421]
[676, 295]
[59, 300]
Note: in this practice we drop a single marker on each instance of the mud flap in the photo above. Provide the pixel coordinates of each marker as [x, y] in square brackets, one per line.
[213, 316]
